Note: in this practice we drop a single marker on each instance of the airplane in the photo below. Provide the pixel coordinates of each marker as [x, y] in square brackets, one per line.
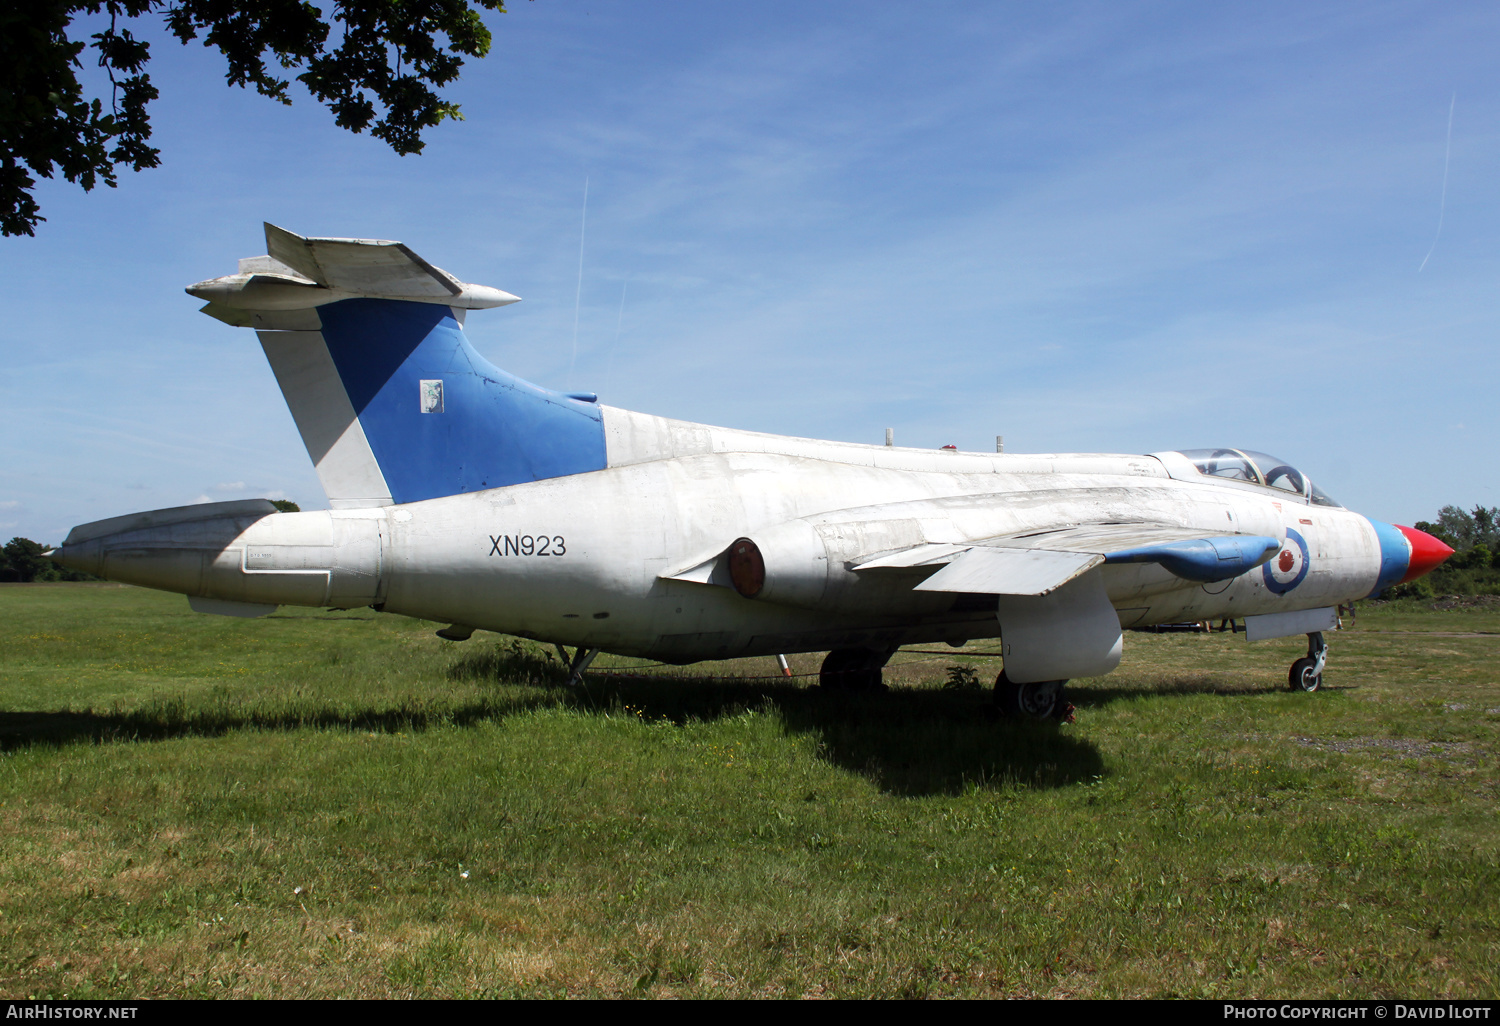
[462, 494]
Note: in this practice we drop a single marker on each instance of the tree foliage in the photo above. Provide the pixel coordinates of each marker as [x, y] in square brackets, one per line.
[21, 560]
[1464, 529]
[1474, 567]
[379, 72]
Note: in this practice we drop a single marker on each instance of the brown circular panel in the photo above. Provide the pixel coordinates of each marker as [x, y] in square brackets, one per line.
[747, 569]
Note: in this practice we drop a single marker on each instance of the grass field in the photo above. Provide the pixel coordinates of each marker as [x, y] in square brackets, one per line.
[317, 805]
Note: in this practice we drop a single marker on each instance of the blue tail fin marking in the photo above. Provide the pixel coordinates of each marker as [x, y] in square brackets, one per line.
[493, 429]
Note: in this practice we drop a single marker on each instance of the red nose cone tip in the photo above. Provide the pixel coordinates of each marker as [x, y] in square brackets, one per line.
[1427, 553]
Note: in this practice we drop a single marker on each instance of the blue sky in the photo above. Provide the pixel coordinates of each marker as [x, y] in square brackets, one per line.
[1087, 227]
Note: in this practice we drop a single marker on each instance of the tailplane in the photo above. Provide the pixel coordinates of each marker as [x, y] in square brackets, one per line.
[393, 403]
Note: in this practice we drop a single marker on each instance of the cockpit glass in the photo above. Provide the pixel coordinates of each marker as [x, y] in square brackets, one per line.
[1322, 498]
[1226, 463]
[1278, 474]
[1256, 468]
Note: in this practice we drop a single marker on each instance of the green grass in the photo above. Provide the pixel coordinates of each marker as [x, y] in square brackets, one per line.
[342, 804]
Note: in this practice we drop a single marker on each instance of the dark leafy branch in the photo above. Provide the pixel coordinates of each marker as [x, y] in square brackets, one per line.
[381, 73]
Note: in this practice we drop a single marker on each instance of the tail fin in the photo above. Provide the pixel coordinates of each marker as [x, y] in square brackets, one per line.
[393, 403]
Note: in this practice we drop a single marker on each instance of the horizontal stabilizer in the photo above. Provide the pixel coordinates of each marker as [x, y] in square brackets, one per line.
[263, 320]
[372, 267]
[301, 274]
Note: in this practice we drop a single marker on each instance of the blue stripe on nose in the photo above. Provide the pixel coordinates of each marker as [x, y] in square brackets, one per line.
[1395, 556]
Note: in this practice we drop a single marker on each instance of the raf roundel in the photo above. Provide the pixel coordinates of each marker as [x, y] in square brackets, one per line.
[1286, 569]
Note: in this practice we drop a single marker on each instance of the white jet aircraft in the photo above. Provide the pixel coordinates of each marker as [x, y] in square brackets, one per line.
[462, 494]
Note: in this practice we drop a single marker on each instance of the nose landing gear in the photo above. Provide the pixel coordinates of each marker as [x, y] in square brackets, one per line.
[1307, 673]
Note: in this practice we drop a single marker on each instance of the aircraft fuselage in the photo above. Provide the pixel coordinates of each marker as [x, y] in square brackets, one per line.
[588, 559]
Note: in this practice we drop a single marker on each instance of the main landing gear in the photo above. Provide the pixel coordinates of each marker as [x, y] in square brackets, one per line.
[1307, 673]
[853, 669]
[1038, 700]
[577, 663]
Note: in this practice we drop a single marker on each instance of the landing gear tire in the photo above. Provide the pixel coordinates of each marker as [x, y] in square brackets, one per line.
[1038, 700]
[1305, 675]
[853, 669]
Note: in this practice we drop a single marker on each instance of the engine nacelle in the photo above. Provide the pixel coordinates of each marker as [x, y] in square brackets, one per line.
[786, 564]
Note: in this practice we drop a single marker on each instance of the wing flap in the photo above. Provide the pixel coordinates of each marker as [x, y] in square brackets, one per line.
[1010, 571]
[917, 557]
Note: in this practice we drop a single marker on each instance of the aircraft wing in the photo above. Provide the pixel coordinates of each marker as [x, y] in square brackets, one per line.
[1040, 562]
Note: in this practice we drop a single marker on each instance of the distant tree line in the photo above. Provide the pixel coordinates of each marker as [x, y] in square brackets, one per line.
[21, 560]
[1474, 567]
[1474, 536]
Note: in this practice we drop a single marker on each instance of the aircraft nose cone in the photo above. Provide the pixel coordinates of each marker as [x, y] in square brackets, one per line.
[1395, 556]
[1427, 553]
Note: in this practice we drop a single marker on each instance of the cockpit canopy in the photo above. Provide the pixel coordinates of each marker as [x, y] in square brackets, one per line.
[1256, 468]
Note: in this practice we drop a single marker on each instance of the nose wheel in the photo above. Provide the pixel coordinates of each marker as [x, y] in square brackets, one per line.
[1037, 700]
[1307, 673]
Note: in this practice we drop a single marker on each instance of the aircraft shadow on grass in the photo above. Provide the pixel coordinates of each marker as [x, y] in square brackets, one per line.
[1095, 696]
[912, 743]
[905, 742]
[908, 742]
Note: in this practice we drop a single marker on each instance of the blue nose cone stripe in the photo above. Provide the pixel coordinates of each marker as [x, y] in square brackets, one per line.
[1395, 556]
